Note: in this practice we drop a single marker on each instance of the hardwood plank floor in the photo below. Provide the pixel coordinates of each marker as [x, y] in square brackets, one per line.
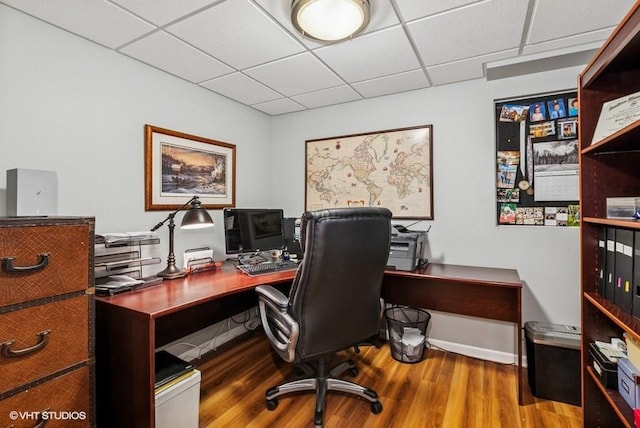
[443, 390]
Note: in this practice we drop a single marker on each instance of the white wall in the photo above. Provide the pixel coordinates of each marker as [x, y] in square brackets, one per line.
[464, 227]
[71, 106]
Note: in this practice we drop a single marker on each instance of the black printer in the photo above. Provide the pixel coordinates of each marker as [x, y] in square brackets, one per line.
[407, 249]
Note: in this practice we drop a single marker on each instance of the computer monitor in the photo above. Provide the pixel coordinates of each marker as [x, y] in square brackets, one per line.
[251, 230]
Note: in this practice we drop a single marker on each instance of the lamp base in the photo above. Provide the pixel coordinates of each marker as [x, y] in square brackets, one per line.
[172, 272]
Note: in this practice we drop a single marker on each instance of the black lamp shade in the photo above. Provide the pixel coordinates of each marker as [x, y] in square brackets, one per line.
[196, 217]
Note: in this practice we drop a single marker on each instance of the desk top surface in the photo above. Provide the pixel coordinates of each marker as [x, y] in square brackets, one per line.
[181, 293]
[460, 273]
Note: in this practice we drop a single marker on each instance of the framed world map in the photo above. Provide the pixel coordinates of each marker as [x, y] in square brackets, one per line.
[391, 169]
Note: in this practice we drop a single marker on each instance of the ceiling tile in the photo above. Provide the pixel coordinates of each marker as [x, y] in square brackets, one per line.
[98, 20]
[553, 19]
[295, 75]
[337, 95]
[239, 87]
[248, 50]
[585, 40]
[412, 9]
[466, 69]
[382, 15]
[161, 12]
[281, 106]
[167, 53]
[237, 33]
[400, 82]
[372, 55]
[469, 32]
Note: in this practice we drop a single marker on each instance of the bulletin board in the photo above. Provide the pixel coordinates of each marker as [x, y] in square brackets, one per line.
[536, 162]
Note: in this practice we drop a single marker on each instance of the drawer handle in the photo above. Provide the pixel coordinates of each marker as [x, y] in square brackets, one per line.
[7, 264]
[7, 352]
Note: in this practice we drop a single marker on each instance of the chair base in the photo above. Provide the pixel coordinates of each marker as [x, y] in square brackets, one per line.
[321, 383]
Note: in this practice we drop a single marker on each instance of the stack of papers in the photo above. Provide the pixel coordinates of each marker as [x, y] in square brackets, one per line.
[112, 238]
[116, 283]
[611, 351]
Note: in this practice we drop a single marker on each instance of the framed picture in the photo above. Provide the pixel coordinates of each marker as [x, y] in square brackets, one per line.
[391, 169]
[178, 166]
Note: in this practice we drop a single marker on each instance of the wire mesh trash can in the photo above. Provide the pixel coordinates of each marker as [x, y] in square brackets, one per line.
[407, 329]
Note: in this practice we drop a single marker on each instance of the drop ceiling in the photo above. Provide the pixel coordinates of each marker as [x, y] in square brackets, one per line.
[248, 50]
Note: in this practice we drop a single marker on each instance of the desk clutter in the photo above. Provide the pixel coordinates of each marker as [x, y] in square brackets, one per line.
[199, 260]
[616, 363]
[118, 262]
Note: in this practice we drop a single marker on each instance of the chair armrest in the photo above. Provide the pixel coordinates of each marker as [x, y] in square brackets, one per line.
[274, 295]
[281, 329]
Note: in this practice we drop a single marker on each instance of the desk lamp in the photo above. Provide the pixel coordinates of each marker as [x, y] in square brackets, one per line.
[196, 217]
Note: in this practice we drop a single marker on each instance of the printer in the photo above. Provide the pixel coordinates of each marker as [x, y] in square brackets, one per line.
[407, 249]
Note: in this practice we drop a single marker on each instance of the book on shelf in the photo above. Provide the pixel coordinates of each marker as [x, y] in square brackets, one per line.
[636, 276]
[623, 294]
[602, 257]
[610, 264]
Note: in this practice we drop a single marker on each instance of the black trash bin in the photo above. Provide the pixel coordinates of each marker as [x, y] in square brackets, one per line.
[553, 361]
[407, 329]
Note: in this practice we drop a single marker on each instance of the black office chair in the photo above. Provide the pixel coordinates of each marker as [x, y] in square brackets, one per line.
[334, 301]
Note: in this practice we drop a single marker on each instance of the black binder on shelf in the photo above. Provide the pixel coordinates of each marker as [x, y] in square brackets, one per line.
[636, 276]
[610, 264]
[624, 269]
[601, 262]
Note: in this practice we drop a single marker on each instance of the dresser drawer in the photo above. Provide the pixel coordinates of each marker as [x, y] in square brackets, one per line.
[66, 344]
[42, 261]
[66, 399]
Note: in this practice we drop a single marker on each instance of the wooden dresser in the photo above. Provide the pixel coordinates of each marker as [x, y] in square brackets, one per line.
[46, 322]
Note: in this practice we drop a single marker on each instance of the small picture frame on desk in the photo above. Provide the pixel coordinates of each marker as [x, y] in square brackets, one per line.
[179, 165]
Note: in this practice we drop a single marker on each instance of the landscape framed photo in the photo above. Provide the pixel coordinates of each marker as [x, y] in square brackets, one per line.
[178, 166]
[391, 169]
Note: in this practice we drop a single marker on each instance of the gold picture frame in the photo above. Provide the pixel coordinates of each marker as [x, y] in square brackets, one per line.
[178, 166]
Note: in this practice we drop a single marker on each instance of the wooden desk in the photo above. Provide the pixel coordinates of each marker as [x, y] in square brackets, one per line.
[481, 292]
[130, 326]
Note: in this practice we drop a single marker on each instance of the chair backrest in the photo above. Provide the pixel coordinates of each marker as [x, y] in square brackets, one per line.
[335, 297]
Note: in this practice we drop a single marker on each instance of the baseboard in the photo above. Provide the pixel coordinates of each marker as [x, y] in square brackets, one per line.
[480, 353]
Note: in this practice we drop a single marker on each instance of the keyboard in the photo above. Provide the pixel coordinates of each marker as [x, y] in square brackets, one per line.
[268, 267]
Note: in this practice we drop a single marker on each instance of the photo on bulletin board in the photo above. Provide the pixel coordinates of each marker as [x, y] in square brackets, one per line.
[536, 160]
[538, 112]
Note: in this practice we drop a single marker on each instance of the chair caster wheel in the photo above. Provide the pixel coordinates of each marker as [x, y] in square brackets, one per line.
[273, 403]
[353, 372]
[376, 407]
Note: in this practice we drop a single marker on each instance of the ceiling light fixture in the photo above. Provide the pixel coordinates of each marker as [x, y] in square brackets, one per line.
[330, 20]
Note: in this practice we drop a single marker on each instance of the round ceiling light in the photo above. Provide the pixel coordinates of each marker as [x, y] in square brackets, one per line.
[330, 20]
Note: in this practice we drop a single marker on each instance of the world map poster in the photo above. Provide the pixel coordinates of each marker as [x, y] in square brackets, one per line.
[391, 169]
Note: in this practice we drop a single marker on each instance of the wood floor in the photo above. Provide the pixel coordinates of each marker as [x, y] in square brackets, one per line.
[443, 390]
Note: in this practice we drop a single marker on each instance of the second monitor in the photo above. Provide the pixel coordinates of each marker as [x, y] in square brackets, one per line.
[250, 230]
